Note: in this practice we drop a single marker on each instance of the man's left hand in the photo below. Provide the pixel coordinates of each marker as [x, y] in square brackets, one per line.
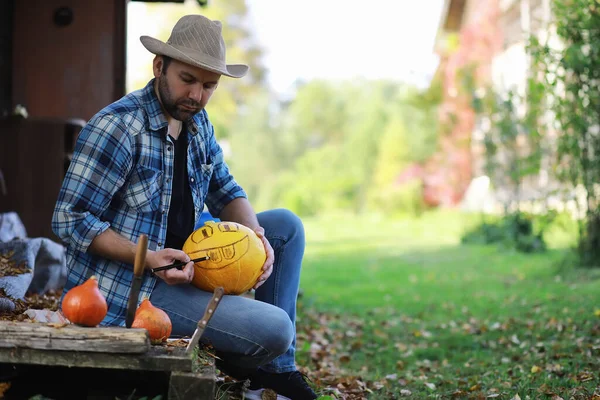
[268, 266]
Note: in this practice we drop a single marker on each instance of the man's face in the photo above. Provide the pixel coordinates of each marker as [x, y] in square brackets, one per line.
[184, 90]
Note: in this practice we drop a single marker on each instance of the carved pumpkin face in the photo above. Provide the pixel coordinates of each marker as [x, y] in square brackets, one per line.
[236, 256]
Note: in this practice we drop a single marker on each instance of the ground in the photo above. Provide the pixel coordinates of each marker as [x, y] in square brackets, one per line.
[398, 308]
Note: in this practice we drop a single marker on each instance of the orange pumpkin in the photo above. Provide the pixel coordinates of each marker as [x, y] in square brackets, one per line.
[84, 304]
[236, 253]
[154, 320]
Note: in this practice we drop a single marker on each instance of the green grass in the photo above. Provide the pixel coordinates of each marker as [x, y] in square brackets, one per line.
[399, 306]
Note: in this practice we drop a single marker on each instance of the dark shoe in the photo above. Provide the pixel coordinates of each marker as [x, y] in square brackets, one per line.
[288, 386]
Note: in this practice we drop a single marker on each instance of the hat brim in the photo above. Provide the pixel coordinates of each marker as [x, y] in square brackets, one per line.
[159, 47]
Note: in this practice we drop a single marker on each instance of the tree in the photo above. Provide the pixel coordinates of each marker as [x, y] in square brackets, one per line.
[570, 75]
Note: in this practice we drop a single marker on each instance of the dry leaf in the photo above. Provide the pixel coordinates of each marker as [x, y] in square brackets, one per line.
[268, 394]
[4, 386]
[58, 325]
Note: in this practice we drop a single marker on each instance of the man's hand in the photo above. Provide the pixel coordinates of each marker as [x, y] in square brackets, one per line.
[173, 276]
[268, 265]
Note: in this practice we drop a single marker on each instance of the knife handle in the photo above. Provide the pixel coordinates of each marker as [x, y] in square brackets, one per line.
[140, 255]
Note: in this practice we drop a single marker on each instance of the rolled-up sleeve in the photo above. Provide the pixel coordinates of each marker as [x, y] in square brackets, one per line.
[100, 163]
[222, 188]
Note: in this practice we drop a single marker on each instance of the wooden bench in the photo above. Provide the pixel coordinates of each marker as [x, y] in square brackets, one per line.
[112, 355]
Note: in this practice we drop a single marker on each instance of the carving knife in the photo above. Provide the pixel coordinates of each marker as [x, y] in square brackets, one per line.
[208, 313]
[136, 284]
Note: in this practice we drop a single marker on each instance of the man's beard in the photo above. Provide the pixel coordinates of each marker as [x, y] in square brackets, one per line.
[173, 107]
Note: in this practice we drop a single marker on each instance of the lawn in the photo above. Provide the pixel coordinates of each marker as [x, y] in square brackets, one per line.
[399, 308]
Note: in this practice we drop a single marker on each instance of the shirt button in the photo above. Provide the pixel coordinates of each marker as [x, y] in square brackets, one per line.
[168, 180]
[192, 180]
[169, 148]
[163, 211]
[159, 244]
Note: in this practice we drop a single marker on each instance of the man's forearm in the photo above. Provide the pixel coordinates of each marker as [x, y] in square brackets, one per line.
[109, 244]
[239, 210]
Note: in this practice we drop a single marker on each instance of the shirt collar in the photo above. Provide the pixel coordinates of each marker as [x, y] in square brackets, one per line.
[156, 116]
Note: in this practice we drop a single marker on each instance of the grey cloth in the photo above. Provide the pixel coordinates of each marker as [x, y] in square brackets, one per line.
[11, 227]
[41, 264]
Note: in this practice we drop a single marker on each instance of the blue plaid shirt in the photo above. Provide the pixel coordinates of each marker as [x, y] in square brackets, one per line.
[121, 178]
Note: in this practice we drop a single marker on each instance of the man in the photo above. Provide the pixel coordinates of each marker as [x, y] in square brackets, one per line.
[147, 164]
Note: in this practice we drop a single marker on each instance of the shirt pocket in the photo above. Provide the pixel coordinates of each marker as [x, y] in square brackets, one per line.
[144, 189]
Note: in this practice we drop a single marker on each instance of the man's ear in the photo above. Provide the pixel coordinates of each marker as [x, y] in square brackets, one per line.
[157, 65]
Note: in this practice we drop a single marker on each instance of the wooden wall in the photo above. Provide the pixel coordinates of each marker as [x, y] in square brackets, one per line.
[6, 13]
[69, 71]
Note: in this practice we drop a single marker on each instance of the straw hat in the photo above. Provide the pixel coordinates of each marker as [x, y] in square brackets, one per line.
[196, 40]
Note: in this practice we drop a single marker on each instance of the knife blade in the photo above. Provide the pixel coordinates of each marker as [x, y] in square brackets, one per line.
[136, 283]
[208, 313]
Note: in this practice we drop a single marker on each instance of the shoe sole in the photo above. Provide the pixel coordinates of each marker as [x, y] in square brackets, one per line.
[257, 395]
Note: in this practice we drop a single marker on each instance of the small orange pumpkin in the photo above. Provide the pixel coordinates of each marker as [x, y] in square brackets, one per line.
[236, 253]
[154, 320]
[84, 304]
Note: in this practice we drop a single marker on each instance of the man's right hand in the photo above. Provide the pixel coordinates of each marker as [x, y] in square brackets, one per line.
[173, 276]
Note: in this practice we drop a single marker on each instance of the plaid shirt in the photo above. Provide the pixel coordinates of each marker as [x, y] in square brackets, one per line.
[121, 178]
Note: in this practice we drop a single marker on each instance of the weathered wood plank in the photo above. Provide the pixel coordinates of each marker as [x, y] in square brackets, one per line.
[156, 359]
[191, 386]
[33, 335]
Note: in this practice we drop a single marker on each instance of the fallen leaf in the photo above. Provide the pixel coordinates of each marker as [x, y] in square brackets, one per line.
[268, 394]
[535, 369]
[58, 325]
[4, 386]
[458, 393]
[405, 392]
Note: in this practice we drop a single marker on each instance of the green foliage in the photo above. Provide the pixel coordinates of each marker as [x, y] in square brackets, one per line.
[513, 231]
[513, 139]
[325, 151]
[570, 74]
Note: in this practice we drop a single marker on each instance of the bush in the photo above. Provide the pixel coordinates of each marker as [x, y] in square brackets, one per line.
[516, 231]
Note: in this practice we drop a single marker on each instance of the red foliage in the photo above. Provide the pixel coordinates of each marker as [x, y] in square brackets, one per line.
[449, 172]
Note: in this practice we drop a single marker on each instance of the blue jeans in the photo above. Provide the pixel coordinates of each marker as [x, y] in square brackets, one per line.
[248, 333]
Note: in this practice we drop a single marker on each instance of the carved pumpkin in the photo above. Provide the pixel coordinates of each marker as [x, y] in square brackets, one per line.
[236, 253]
[84, 304]
[154, 320]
